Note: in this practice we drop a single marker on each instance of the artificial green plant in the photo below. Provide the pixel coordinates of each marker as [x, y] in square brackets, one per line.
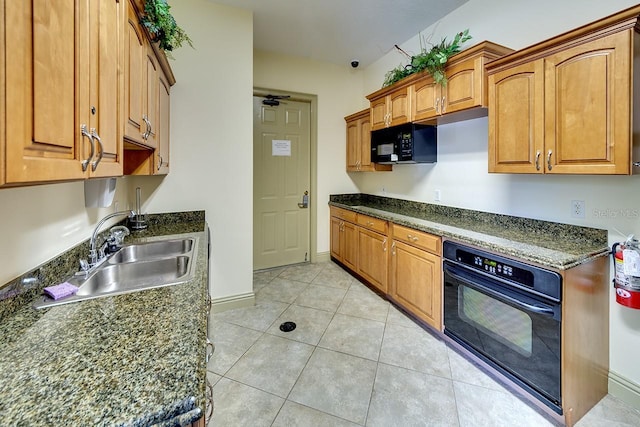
[433, 60]
[163, 27]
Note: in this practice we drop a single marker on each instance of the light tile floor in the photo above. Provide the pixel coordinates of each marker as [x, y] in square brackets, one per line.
[353, 360]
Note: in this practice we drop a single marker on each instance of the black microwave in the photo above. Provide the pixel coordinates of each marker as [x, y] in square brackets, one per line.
[408, 143]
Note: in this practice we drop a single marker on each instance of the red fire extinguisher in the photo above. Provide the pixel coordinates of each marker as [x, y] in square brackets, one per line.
[627, 277]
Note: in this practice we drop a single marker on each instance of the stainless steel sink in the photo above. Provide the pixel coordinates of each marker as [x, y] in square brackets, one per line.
[120, 278]
[162, 248]
[134, 268]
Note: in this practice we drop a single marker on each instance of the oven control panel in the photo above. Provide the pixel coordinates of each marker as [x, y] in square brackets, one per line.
[494, 267]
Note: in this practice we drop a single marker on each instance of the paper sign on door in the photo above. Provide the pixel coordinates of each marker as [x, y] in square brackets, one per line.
[281, 147]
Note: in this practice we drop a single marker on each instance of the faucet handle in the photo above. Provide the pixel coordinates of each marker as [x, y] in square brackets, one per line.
[117, 235]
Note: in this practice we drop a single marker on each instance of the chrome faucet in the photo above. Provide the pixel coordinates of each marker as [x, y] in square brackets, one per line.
[94, 256]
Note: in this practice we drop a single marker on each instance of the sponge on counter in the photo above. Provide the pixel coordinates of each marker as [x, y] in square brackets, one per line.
[60, 291]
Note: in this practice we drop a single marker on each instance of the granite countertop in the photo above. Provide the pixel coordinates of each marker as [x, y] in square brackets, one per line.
[133, 360]
[554, 245]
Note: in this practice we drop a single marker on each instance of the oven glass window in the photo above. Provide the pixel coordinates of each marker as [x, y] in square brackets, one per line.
[506, 324]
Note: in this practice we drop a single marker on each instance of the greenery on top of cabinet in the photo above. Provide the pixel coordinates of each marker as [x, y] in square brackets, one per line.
[433, 60]
[163, 27]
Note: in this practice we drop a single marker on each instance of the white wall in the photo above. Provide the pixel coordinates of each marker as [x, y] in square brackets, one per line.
[40, 222]
[339, 91]
[461, 172]
[211, 138]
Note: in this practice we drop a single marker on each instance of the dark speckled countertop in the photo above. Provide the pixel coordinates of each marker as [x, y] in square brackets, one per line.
[128, 360]
[554, 245]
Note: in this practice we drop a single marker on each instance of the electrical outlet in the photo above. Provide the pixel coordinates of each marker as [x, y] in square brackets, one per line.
[577, 209]
[436, 195]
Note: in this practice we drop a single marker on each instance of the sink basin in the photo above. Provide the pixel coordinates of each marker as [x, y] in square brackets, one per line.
[134, 268]
[121, 278]
[162, 248]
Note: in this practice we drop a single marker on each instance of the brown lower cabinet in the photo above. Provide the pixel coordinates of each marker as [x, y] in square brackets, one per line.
[402, 263]
[372, 259]
[415, 282]
[344, 242]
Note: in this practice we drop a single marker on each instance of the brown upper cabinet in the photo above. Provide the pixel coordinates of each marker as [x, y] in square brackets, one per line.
[65, 90]
[466, 86]
[62, 90]
[359, 144]
[141, 83]
[565, 105]
[418, 98]
[148, 80]
[390, 108]
[164, 116]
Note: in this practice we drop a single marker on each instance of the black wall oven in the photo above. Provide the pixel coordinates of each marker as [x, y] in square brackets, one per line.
[508, 314]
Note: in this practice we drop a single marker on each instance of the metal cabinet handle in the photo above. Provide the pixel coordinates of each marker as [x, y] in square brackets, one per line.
[147, 124]
[393, 248]
[95, 136]
[160, 161]
[549, 159]
[209, 400]
[538, 160]
[384, 245]
[444, 105]
[85, 162]
[412, 238]
[210, 350]
[437, 105]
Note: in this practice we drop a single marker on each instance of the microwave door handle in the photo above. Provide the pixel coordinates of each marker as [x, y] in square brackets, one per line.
[481, 288]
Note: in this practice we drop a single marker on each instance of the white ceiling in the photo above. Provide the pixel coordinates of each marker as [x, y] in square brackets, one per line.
[339, 31]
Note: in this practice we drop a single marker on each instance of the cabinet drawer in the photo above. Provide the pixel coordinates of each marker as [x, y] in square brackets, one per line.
[373, 224]
[344, 214]
[416, 238]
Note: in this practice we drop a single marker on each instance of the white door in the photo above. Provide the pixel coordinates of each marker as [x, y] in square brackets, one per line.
[281, 146]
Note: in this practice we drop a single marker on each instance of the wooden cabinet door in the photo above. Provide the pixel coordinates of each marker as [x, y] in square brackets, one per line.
[372, 261]
[353, 145]
[43, 138]
[337, 242]
[164, 118]
[516, 119]
[416, 282]
[379, 113]
[106, 85]
[364, 145]
[350, 237]
[588, 107]
[135, 77]
[399, 107]
[150, 105]
[424, 95]
[464, 86]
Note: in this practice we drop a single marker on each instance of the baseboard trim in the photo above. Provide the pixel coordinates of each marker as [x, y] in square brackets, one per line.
[624, 389]
[323, 257]
[218, 305]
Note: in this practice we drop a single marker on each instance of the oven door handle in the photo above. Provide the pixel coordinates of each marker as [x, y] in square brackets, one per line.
[472, 282]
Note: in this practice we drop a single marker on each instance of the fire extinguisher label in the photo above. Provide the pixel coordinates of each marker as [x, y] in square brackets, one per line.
[631, 262]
